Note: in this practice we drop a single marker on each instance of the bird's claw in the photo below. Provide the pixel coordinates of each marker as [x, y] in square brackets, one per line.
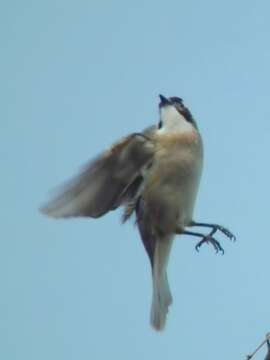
[226, 232]
[210, 240]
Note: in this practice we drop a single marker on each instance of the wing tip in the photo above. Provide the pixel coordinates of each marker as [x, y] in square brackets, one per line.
[50, 212]
[54, 210]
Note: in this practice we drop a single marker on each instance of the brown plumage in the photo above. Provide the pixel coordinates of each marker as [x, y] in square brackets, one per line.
[154, 174]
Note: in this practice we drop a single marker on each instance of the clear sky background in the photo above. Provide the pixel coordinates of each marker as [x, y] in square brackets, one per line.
[77, 75]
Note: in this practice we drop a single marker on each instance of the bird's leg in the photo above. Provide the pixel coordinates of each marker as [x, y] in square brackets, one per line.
[209, 239]
[215, 227]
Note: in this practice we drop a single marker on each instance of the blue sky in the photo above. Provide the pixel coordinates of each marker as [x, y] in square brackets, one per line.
[75, 77]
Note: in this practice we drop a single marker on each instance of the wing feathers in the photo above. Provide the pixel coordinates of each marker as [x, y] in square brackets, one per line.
[102, 184]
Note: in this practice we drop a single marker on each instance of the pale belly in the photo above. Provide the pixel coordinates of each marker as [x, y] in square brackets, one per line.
[171, 188]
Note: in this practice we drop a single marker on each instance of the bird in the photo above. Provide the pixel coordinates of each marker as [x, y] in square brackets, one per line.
[154, 176]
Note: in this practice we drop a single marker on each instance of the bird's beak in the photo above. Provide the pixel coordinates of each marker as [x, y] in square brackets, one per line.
[164, 101]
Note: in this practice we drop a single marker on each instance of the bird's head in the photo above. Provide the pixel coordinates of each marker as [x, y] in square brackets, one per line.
[172, 110]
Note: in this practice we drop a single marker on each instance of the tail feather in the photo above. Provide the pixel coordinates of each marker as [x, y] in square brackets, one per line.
[162, 298]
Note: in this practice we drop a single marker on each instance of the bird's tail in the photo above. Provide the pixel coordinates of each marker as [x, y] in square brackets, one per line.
[162, 298]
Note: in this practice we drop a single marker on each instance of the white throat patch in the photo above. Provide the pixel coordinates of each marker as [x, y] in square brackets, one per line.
[172, 120]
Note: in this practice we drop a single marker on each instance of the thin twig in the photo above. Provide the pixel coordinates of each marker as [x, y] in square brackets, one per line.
[259, 347]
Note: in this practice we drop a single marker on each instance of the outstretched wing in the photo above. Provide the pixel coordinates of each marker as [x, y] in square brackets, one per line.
[103, 184]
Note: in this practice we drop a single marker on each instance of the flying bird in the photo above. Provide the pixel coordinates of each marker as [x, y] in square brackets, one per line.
[154, 175]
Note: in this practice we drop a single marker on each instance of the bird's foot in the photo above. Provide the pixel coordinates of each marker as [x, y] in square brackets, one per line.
[208, 239]
[215, 228]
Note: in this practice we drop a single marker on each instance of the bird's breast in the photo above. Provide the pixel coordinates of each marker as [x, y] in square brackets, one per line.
[179, 154]
[173, 179]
